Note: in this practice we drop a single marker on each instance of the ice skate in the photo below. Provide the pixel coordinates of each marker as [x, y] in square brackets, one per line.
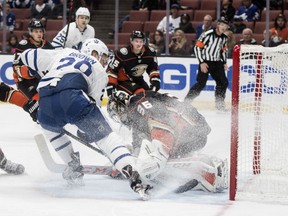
[136, 183]
[11, 167]
[73, 172]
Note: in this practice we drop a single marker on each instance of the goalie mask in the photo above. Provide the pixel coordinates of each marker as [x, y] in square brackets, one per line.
[118, 106]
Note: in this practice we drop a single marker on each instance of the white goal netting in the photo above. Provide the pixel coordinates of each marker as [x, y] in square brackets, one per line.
[262, 147]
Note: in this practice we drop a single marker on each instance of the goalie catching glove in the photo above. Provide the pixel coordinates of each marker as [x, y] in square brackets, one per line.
[155, 84]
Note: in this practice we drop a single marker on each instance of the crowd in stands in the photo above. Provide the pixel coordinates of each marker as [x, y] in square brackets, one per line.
[246, 17]
[19, 14]
[191, 17]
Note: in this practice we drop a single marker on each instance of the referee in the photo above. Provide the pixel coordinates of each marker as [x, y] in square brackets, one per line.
[211, 51]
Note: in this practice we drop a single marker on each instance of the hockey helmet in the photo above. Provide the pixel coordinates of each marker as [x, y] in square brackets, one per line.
[118, 106]
[137, 34]
[35, 24]
[94, 44]
[82, 11]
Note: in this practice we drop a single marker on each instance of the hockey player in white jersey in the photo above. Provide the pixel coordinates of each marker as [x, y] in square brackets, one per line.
[78, 31]
[70, 93]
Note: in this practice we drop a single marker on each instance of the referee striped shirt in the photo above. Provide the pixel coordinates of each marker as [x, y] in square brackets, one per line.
[211, 47]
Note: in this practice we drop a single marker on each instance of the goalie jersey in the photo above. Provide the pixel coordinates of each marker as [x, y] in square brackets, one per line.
[52, 65]
[176, 124]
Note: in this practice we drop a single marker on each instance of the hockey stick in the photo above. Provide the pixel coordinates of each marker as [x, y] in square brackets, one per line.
[82, 141]
[106, 170]
[59, 168]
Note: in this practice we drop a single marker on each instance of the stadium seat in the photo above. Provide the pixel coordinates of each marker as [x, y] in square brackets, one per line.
[54, 25]
[19, 25]
[19, 33]
[191, 37]
[21, 13]
[237, 37]
[272, 15]
[25, 24]
[112, 46]
[129, 26]
[150, 26]
[250, 25]
[49, 35]
[259, 38]
[123, 38]
[193, 4]
[139, 15]
[208, 5]
[157, 15]
[260, 27]
[199, 14]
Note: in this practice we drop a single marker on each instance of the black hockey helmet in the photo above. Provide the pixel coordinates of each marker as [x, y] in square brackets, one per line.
[137, 34]
[35, 24]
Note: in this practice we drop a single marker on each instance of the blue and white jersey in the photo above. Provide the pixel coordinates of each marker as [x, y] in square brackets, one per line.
[66, 61]
[74, 37]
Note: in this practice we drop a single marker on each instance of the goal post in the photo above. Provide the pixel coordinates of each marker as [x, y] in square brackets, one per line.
[259, 123]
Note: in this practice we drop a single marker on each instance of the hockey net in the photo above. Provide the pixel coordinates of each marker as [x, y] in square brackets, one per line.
[259, 136]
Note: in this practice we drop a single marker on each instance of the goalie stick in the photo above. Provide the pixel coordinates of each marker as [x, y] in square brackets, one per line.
[107, 170]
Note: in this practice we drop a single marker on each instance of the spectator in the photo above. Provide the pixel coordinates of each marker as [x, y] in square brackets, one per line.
[179, 45]
[237, 26]
[248, 11]
[279, 33]
[91, 4]
[57, 11]
[227, 10]
[230, 42]
[274, 4]
[158, 42]
[271, 43]
[145, 5]
[185, 24]
[10, 18]
[12, 43]
[207, 24]
[247, 35]
[40, 11]
[21, 3]
[174, 20]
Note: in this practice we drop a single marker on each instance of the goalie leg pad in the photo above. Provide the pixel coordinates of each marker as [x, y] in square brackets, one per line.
[152, 159]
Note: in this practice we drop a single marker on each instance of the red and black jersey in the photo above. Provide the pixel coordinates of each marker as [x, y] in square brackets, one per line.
[176, 124]
[127, 65]
[26, 82]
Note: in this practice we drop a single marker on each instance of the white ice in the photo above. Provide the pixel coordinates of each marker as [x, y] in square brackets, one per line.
[39, 192]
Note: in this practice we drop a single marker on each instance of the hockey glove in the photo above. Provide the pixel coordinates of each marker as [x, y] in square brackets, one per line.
[31, 107]
[155, 84]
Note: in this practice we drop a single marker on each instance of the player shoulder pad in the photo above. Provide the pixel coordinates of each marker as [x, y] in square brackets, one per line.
[123, 51]
[23, 42]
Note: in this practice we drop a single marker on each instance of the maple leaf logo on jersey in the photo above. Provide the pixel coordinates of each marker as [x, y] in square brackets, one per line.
[138, 70]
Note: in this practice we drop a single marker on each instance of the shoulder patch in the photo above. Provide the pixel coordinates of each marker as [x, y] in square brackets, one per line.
[124, 51]
[23, 42]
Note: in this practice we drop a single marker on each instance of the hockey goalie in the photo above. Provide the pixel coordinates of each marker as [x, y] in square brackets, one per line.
[167, 134]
